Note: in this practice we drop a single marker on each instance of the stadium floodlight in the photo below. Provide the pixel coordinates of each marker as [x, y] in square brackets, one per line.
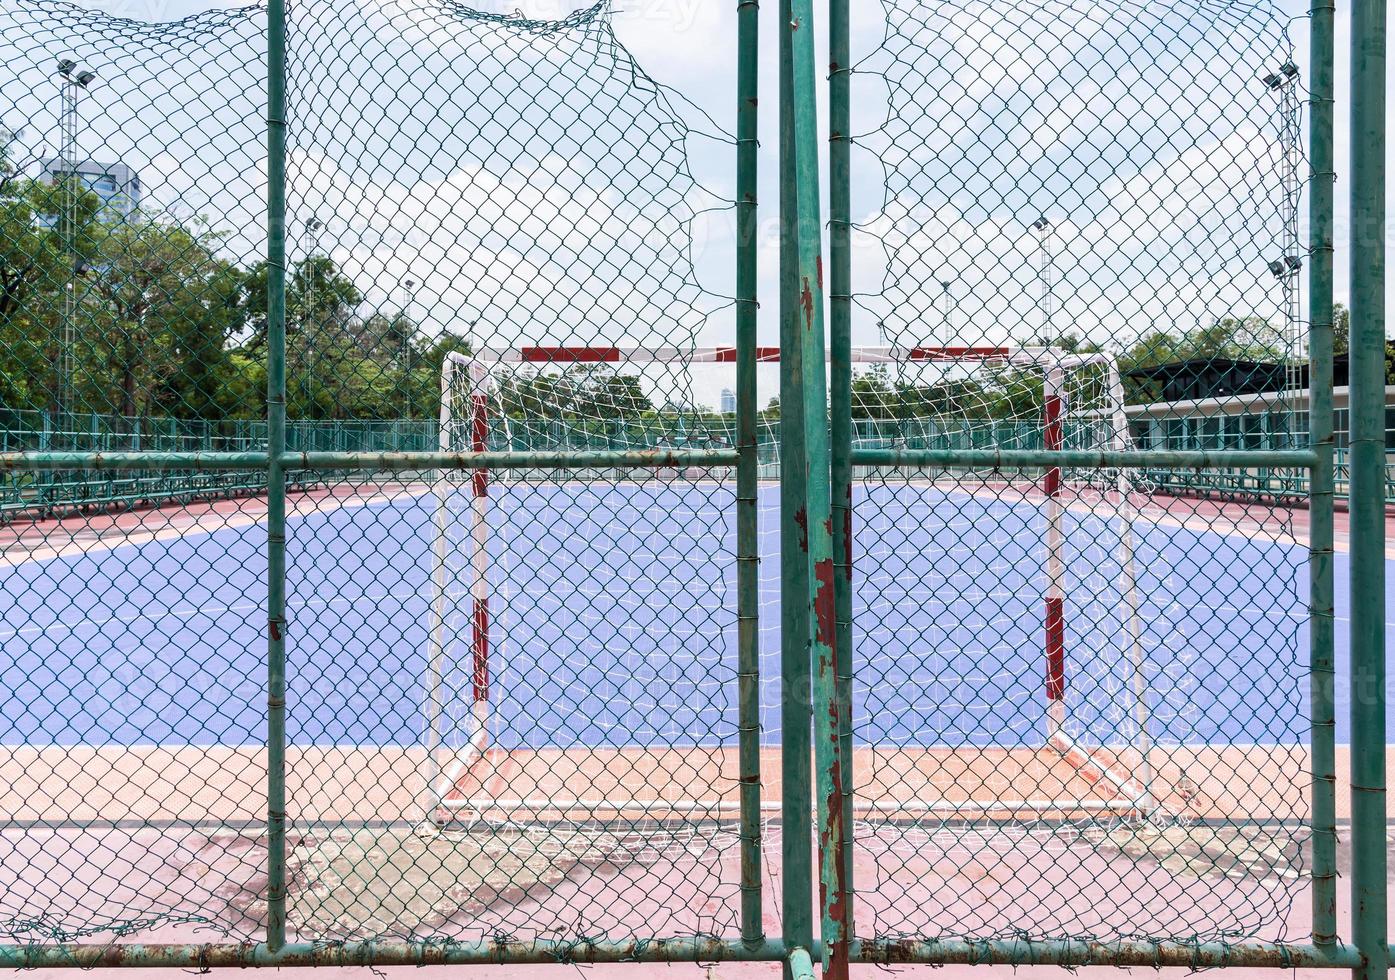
[1287, 72]
[75, 74]
[1278, 267]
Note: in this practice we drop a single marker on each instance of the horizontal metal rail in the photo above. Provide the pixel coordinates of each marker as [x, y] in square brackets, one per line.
[651, 458]
[434, 953]
[370, 461]
[1006, 952]
[517, 460]
[131, 461]
[1141, 459]
[801, 964]
[1074, 953]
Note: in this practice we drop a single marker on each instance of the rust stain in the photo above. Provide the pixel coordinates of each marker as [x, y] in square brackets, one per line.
[838, 906]
[818, 269]
[207, 956]
[896, 950]
[802, 519]
[847, 536]
[823, 602]
[806, 303]
[273, 629]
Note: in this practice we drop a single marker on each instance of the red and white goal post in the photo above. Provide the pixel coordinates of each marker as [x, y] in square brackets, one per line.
[1080, 406]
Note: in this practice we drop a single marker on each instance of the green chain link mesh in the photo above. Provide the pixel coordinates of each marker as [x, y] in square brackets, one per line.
[1097, 191]
[134, 638]
[1079, 701]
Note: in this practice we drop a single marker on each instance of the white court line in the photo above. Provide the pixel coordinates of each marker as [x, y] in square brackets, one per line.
[924, 595]
[193, 611]
[381, 498]
[18, 554]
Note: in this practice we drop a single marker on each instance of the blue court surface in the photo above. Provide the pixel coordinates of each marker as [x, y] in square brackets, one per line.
[613, 622]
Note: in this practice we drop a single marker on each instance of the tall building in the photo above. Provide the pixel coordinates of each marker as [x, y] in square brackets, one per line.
[728, 402]
[117, 185]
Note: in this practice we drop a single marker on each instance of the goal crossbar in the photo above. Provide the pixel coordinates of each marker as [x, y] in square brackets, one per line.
[585, 354]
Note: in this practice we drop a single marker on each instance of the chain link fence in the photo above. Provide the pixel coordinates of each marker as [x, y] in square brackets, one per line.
[1066, 668]
[417, 546]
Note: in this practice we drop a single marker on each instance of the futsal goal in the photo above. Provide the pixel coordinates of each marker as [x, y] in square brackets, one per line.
[1091, 711]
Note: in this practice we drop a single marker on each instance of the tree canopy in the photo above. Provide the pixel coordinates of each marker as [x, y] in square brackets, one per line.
[145, 314]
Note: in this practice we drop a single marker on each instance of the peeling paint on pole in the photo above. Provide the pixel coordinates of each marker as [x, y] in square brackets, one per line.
[818, 525]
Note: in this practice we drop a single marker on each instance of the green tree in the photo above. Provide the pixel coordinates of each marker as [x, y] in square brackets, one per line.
[1248, 338]
[421, 380]
[873, 396]
[606, 396]
[39, 257]
[1229, 338]
[327, 373]
[1341, 329]
[318, 297]
[166, 305]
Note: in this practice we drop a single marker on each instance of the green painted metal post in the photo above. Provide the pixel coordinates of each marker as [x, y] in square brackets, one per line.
[1368, 820]
[796, 799]
[840, 399]
[1321, 591]
[801, 965]
[817, 525]
[747, 483]
[276, 490]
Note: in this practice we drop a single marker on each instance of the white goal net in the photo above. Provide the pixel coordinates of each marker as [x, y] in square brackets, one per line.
[1055, 595]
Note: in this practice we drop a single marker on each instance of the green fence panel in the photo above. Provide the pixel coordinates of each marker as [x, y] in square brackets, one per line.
[411, 553]
[1094, 394]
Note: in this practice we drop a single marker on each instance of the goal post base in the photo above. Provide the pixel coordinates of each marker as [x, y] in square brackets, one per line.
[624, 788]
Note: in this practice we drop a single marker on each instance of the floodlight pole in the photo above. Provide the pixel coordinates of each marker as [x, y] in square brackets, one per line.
[949, 312]
[404, 345]
[309, 331]
[1043, 229]
[74, 80]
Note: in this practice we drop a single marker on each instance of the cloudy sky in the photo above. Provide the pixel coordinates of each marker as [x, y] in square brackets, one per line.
[974, 120]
